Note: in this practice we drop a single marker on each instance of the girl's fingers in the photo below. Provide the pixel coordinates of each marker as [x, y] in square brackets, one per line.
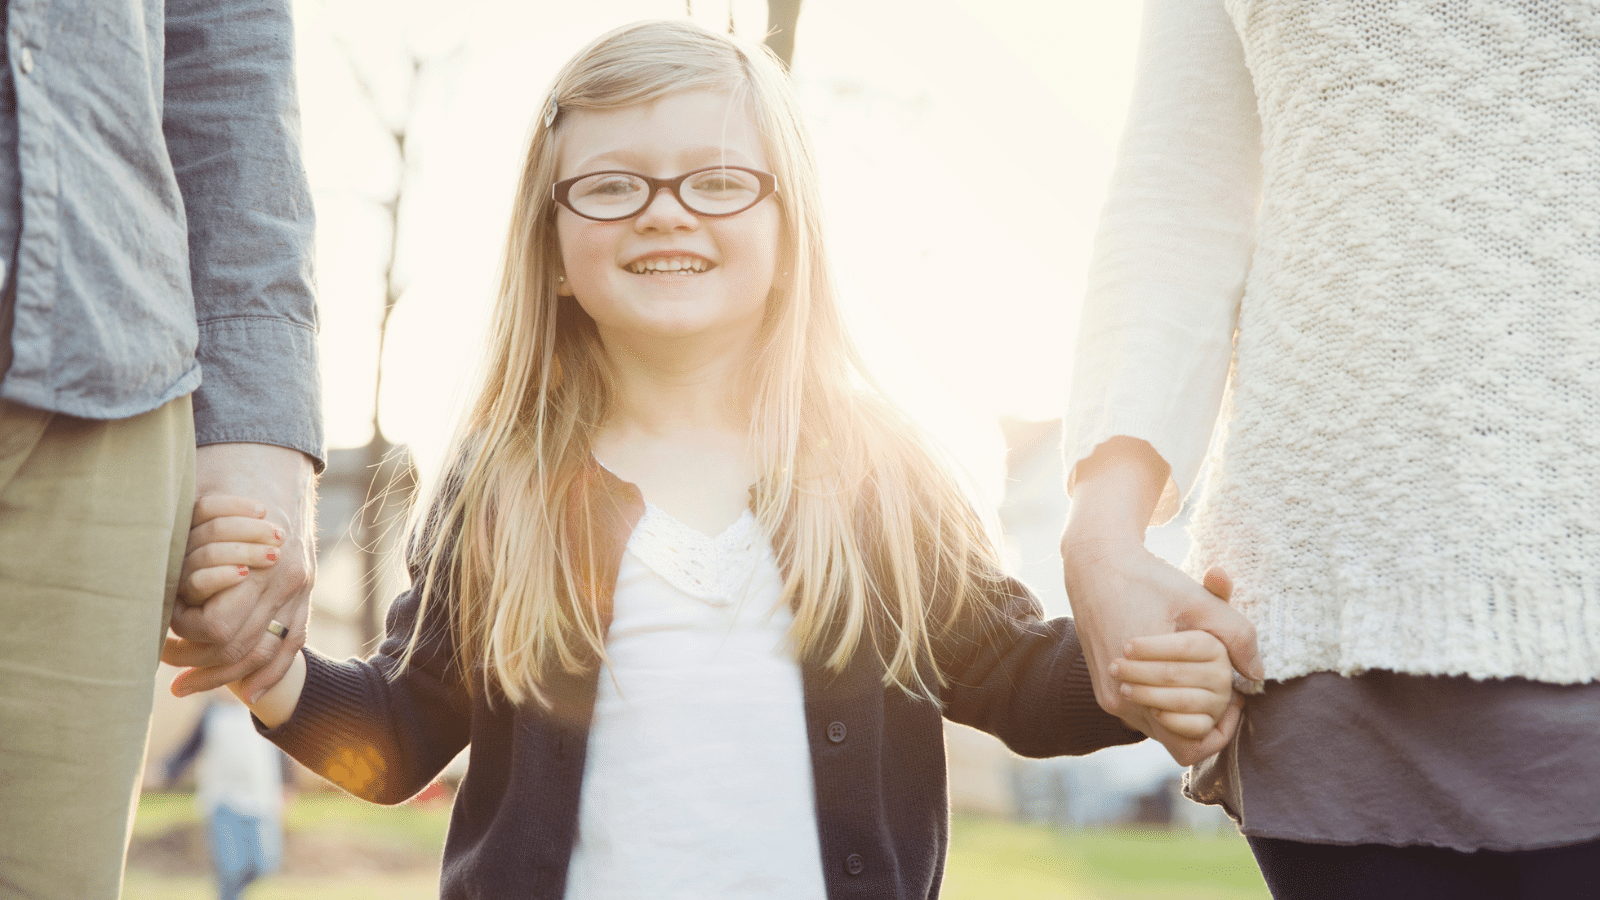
[1178, 699]
[212, 567]
[237, 529]
[230, 553]
[200, 585]
[214, 506]
[1216, 675]
[1187, 646]
[1192, 726]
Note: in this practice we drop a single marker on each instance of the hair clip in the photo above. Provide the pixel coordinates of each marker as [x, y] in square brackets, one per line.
[550, 110]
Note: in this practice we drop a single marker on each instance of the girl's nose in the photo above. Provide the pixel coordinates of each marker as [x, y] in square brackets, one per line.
[664, 212]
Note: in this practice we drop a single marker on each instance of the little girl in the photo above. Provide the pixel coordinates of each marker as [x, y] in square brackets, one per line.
[654, 711]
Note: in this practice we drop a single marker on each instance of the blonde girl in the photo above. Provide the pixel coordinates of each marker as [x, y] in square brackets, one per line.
[694, 591]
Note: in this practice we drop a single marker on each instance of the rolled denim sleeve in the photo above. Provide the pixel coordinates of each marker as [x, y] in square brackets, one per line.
[232, 127]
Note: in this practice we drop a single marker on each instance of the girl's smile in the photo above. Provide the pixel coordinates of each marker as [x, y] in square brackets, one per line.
[666, 262]
[668, 272]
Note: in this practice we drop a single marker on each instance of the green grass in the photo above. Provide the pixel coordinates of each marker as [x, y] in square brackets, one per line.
[338, 848]
[416, 827]
[377, 886]
[343, 849]
[991, 859]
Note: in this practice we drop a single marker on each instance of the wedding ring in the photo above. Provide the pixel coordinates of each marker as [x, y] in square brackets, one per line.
[278, 629]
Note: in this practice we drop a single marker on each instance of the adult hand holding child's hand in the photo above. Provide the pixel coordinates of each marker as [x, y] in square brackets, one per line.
[1121, 591]
[255, 501]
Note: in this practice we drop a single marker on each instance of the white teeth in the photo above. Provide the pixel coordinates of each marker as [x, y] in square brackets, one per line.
[679, 264]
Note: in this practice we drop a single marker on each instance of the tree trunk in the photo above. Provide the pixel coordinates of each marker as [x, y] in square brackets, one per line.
[782, 17]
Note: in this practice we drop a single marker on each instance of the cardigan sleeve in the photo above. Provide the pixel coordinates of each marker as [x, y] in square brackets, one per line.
[1173, 247]
[384, 727]
[1024, 680]
[380, 730]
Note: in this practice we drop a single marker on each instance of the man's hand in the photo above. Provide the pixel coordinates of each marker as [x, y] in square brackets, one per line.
[1121, 591]
[226, 638]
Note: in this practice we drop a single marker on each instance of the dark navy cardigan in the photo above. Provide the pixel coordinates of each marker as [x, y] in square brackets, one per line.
[877, 753]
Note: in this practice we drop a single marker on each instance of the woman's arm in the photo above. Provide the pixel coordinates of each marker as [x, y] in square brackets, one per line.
[1172, 251]
[1121, 591]
[1156, 341]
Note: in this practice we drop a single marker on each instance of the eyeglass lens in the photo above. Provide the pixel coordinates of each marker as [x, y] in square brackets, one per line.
[711, 192]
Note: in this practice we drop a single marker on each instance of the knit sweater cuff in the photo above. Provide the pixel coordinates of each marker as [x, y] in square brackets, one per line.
[329, 735]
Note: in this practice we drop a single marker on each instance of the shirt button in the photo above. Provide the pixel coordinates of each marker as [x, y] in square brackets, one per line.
[836, 732]
[853, 864]
[25, 60]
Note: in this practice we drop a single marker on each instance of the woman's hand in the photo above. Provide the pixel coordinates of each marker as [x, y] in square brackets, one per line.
[1121, 591]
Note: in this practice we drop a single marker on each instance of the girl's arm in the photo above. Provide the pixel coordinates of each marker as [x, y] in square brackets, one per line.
[380, 731]
[276, 705]
[1028, 681]
[1022, 679]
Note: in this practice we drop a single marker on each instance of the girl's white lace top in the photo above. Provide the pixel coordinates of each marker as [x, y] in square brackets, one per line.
[1368, 231]
[706, 568]
[698, 779]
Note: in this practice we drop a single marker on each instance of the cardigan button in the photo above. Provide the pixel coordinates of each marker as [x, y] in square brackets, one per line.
[854, 864]
[836, 732]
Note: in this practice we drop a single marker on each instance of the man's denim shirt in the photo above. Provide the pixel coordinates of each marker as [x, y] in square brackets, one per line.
[166, 224]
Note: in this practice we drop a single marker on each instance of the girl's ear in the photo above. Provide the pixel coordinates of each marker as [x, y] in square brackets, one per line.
[563, 287]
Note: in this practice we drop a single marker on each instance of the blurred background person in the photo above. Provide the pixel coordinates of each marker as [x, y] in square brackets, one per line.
[241, 787]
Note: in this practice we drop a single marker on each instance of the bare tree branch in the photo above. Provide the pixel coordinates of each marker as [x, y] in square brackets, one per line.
[393, 475]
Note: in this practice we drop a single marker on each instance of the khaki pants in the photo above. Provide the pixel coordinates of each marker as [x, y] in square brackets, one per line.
[93, 520]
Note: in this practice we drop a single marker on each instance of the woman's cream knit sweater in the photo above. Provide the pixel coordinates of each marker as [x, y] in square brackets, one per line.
[1368, 232]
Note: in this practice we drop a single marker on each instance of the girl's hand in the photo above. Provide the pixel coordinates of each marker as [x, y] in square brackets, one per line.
[1185, 678]
[228, 537]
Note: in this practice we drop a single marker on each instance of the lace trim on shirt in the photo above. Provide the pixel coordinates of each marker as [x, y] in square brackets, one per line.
[713, 569]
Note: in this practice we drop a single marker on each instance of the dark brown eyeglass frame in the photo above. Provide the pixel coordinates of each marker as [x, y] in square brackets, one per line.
[766, 186]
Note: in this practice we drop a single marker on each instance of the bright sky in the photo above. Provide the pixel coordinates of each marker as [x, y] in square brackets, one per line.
[965, 302]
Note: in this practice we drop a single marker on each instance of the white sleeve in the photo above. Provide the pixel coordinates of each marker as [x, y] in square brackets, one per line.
[1173, 247]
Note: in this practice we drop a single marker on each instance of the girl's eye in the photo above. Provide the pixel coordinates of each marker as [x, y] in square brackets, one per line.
[608, 188]
[722, 182]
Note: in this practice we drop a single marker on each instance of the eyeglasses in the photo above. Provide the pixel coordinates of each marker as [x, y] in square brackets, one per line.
[715, 191]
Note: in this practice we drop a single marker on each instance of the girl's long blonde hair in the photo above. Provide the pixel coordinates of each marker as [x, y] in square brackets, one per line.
[869, 525]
